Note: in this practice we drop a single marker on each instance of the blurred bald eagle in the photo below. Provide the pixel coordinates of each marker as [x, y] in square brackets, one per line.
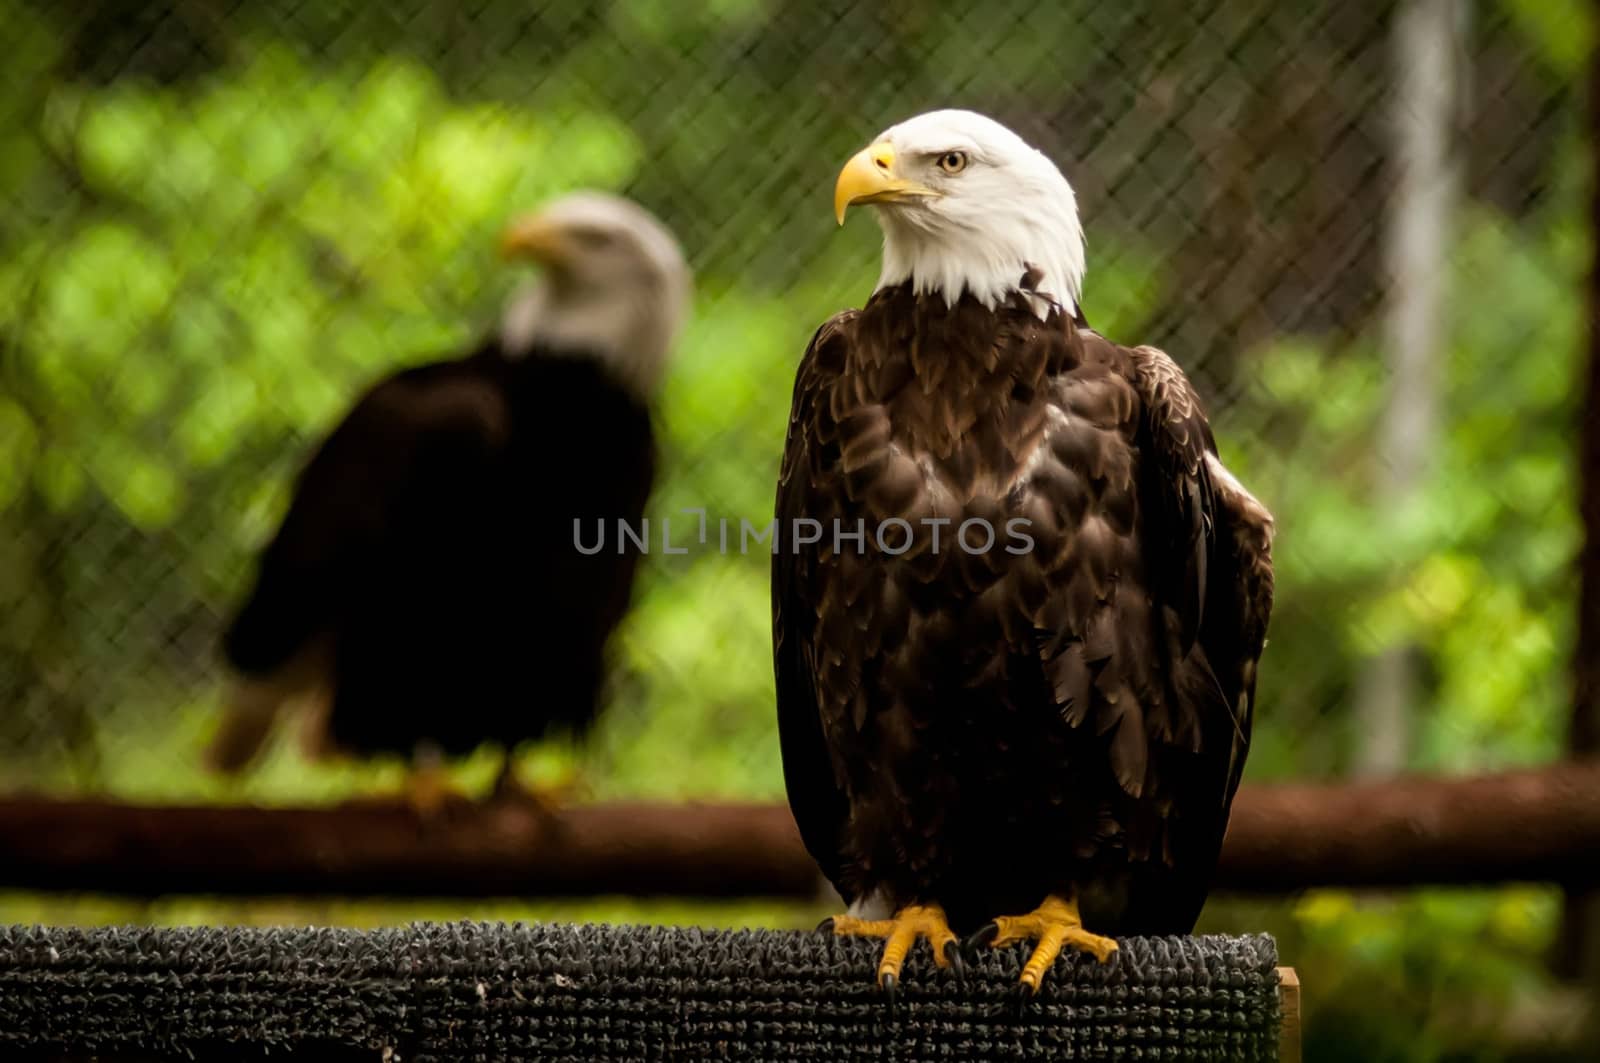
[1018, 707]
[424, 593]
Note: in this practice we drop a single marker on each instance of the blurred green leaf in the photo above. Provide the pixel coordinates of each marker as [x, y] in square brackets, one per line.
[19, 443]
[59, 479]
[1563, 31]
[142, 487]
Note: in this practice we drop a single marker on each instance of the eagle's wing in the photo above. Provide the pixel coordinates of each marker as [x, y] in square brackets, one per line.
[1226, 532]
[815, 797]
[410, 442]
[1216, 544]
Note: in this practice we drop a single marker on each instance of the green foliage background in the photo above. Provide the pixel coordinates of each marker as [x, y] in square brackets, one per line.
[202, 260]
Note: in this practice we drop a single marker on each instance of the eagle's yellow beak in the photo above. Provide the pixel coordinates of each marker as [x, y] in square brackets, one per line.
[869, 177]
[535, 238]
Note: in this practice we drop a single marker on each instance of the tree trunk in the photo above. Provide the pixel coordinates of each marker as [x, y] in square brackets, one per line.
[1426, 38]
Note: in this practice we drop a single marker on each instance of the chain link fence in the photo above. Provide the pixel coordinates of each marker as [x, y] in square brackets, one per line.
[221, 221]
[1359, 226]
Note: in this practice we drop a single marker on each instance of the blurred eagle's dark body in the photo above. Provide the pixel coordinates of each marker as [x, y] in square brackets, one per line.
[1064, 716]
[428, 591]
[425, 579]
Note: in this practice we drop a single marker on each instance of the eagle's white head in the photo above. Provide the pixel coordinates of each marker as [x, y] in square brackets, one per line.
[615, 285]
[966, 204]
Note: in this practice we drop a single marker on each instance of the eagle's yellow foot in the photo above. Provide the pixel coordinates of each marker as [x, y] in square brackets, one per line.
[430, 792]
[546, 797]
[1053, 925]
[909, 923]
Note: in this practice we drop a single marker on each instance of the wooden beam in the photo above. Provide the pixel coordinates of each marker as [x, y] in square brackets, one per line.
[1288, 1015]
[384, 848]
[1537, 826]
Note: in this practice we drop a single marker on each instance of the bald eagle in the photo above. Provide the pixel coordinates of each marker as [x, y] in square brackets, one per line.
[1016, 669]
[425, 593]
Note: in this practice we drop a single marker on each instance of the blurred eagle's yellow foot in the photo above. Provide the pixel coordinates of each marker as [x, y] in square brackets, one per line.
[1052, 926]
[909, 923]
[546, 797]
[430, 792]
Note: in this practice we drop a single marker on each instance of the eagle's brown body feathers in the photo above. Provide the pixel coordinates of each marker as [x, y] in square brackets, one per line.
[434, 516]
[978, 728]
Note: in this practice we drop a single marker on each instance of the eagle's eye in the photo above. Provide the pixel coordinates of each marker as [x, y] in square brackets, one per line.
[953, 161]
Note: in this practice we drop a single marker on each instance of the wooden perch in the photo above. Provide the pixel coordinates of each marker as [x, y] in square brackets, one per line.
[1535, 826]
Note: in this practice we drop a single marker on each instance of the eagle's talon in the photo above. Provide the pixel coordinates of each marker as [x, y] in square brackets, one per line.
[1051, 926]
[955, 956]
[984, 935]
[824, 927]
[1028, 984]
[900, 934]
